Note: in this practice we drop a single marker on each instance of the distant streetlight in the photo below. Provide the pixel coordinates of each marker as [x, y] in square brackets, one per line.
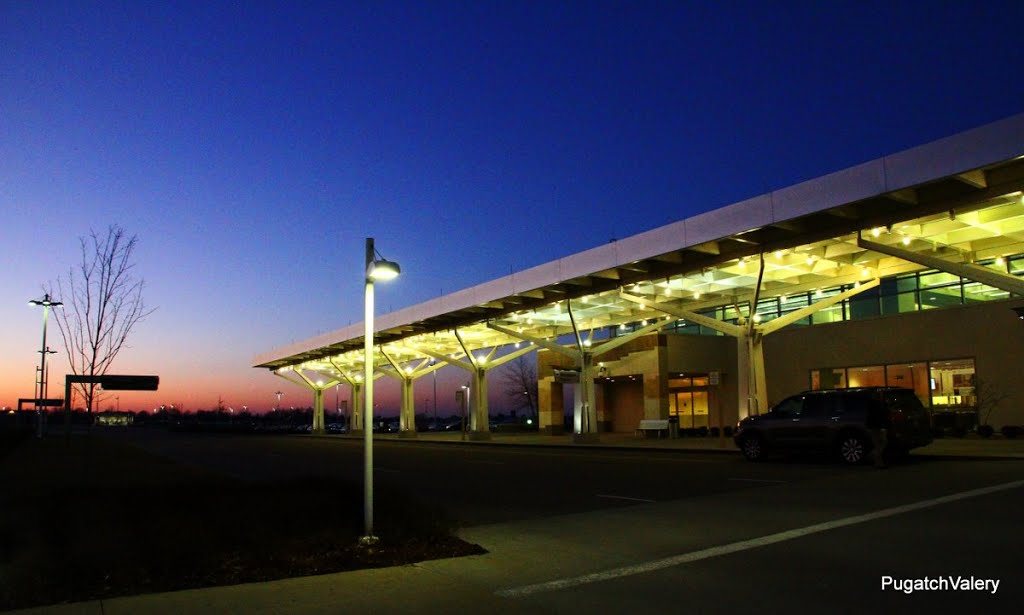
[465, 405]
[47, 303]
[434, 373]
[376, 269]
[279, 394]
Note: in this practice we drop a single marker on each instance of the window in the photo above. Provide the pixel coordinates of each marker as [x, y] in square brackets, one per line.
[937, 278]
[953, 402]
[912, 376]
[945, 386]
[791, 406]
[952, 384]
[1016, 265]
[899, 294]
[830, 314]
[871, 376]
[828, 379]
[976, 292]
[814, 406]
[865, 304]
[947, 296]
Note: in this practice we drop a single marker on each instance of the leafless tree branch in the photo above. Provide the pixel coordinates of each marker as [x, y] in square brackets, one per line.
[102, 304]
[519, 384]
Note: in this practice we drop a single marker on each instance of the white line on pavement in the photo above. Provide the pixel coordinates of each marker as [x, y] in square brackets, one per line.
[743, 545]
[758, 480]
[622, 497]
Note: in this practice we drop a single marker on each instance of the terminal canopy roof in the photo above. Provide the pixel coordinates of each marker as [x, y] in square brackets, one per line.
[958, 199]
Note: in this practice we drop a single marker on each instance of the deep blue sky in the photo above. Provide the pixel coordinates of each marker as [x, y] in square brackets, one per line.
[252, 146]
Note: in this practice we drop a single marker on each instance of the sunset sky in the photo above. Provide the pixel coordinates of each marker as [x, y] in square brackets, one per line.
[252, 146]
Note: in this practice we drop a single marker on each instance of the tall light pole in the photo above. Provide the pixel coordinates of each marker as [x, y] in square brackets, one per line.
[376, 269]
[47, 303]
[279, 394]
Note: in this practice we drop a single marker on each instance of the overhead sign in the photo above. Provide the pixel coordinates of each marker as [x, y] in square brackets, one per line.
[50, 403]
[567, 376]
[129, 383]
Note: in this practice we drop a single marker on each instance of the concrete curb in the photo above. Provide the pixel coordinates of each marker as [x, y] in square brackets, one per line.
[731, 450]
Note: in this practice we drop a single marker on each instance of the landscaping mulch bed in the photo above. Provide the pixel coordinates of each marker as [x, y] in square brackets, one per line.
[96, 519]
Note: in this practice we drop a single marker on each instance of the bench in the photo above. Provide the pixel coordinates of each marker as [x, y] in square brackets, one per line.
[649, 425]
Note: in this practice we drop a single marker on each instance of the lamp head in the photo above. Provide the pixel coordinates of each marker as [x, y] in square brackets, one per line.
[45, 301]
[381, 270]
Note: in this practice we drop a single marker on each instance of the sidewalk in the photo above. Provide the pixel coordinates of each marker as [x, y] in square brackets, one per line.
[520, 552]
[969, 446]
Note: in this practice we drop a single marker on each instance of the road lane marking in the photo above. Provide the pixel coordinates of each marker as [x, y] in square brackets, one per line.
[759, 480]
[622, 497]
[743, 545]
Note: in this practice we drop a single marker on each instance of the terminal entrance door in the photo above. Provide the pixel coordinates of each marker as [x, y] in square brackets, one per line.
[688, 400]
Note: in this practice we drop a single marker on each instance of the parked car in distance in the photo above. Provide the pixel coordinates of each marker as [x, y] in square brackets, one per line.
[835, 420]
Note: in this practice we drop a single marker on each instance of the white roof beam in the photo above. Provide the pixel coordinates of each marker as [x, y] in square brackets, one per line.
[778, 323]
[974, 178]
[970, 271]
[711, 323]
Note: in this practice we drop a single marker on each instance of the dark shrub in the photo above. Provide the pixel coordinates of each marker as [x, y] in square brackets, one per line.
[958, 432]
[985, 431]
[1011, 431]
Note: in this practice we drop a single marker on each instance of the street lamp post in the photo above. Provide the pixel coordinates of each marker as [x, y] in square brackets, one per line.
[47, 303]
[376, 269]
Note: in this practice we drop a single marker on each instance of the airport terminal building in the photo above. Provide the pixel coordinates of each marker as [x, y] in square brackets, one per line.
[904, 271]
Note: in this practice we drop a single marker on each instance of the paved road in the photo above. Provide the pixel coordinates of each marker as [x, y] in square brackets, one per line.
[489, 484]
[719, 535]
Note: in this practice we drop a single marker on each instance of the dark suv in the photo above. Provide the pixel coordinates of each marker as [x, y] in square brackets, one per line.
[836, 420]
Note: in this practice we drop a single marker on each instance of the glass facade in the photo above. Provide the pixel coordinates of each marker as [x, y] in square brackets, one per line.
[911, 292]
[945, 386]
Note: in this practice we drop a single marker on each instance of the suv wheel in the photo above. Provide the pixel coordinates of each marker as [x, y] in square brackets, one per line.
[852, 448]
[752, 448]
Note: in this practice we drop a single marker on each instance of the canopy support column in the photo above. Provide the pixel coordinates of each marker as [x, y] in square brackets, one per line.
[585, 425]
[317, 388]
[478, 365]
[752, 389]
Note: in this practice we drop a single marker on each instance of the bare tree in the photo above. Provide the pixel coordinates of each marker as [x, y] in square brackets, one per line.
[987, 397]
[102, 304]
[519, 385]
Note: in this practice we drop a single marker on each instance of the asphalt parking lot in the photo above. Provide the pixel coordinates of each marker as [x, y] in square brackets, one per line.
[646, 531]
